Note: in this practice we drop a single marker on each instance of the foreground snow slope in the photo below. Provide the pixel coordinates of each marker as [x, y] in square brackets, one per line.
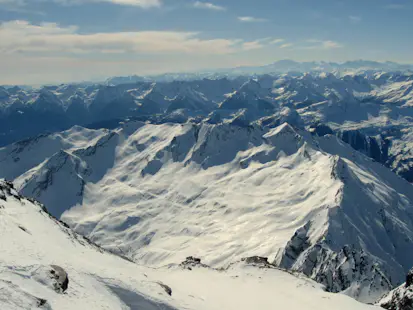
[32, 244]
[159, 193]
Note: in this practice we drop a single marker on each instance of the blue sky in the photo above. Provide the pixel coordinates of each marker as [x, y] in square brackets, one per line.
[52, 41]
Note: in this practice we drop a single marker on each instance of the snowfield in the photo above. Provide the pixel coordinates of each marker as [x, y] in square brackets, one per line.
[32, 242]
[159, 193]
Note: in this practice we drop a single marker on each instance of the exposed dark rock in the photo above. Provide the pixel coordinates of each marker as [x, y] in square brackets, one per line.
[41, 302]
[321, 130]
[258, 261]
[374, 147]
[61, 278]
[400, 298]
[191, 262]
[7, 190]
[167, 289]
[409, 278]
[297, 245]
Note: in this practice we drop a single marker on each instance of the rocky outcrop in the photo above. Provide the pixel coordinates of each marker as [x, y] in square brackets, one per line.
[7, 189]
[192, 262]
[402, 297]
[258, 261]
[53, 277]
[60, 277]
[349, 270]
[166, 288]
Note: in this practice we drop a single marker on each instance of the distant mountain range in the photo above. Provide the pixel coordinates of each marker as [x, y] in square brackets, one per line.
[281, 66]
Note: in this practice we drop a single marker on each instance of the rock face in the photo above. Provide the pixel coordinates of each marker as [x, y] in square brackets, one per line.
[371, 146]
[349, 270]
[53, 277]
[402, 297]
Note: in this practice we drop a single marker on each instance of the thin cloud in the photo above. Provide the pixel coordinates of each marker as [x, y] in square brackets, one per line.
[277, 41]
[250, 19]
[248, 46]
[208, 6]
[394, 6]
[320, 44]
[50, 38]
[18, 6]
[257, 44]
[13, 2]
[138, 3]
[286, 45]
[355, 19]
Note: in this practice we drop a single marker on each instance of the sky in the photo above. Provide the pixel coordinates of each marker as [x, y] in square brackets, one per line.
[55, 41]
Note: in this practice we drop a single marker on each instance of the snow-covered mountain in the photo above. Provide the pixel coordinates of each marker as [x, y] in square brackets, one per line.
[302, 167]
[45, 265]
[373, 104]
[159, 193]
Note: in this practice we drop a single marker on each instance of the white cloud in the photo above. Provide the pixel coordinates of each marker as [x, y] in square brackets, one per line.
[208, 6]
[50, 38]
[250, 19]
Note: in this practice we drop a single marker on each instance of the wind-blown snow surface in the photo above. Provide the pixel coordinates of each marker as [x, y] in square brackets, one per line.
[159, 193]
[32, 243]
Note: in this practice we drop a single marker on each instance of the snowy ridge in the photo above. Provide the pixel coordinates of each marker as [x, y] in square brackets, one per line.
[159, 193]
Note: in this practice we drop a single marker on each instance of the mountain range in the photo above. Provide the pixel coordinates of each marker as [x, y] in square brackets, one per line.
[251, 181]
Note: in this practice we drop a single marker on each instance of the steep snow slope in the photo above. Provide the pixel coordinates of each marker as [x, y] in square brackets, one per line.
[159, 193]
[31, 241]
[38, 254]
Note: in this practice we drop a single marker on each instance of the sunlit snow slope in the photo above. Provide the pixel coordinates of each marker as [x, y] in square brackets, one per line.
[34, 246]
[159, 193]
